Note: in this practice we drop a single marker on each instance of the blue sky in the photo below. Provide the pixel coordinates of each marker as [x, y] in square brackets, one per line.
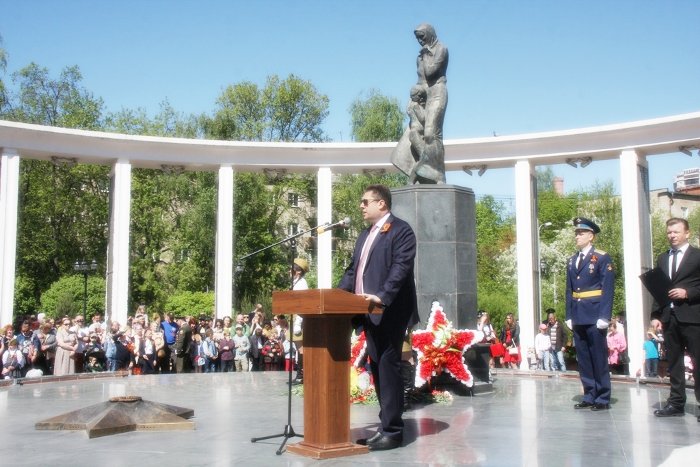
[516, 66]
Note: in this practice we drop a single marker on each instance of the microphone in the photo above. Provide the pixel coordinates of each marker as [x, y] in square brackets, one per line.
[340, 224]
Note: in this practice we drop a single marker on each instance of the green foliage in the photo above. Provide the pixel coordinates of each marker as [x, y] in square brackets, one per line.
[557, 209]
[376, 118]
[496, 252]
[174, 221]
[347, 192]
[26, 299]
[191, 304]
[545, 179]
[257, 211]
[56, 102]
[494, 234]
[62, 218]
[284, 110]
[3, 67]
[168, 122]
[65, 296]
[62, 207]
[173, 235]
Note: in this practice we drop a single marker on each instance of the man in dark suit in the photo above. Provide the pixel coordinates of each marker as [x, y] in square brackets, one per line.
[590, 283]
[681, 316]
[381, 270]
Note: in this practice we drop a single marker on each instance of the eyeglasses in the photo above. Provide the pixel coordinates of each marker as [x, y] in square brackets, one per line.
[365, 202]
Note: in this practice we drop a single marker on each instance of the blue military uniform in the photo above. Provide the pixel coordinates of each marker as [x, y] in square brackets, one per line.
[589, 298]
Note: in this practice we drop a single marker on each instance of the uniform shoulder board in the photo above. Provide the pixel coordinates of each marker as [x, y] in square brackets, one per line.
[601, 252]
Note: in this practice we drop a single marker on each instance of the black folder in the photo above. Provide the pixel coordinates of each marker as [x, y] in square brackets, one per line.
[658, 284]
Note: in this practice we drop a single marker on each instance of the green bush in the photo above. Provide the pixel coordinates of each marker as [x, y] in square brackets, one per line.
[191, 303]
[65, 297]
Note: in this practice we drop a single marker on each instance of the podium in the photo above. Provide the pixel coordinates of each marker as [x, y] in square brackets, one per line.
[327, 314]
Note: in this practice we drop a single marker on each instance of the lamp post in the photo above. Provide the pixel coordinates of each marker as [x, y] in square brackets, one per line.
[85, 268]
[540, 266]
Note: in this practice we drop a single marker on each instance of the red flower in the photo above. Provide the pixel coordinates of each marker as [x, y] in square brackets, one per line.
[358, 350]
[385, 228]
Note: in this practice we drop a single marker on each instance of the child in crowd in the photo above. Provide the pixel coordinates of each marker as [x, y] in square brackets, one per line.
[651, 354]
[543, 343]
[242, 345]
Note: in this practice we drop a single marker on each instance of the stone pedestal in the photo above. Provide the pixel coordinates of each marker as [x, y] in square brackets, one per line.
[443, 218]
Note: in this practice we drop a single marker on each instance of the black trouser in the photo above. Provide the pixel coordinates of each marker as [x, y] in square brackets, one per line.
[679, 337]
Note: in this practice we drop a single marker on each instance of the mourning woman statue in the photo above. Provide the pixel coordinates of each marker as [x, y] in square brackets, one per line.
[423, 159]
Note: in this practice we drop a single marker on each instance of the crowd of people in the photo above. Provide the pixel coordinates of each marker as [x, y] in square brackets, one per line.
[553, 342]
[41, 346]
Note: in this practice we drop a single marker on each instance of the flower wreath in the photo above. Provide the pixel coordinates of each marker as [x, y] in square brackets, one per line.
[358, 350]
[441, 348]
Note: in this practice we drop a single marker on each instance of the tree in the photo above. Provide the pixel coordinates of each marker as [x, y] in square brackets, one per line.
[65, 296]
[174, 222]
[376, 118]
[545, 179]
[3, 68]
[55, 102]
[284, 110]
[167, 122]
[62, 205]
[191, 304]
[496, 290]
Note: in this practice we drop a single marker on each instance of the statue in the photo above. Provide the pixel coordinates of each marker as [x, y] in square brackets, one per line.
[420, 153]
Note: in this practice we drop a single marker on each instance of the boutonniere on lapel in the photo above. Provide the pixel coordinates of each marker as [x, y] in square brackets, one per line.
[594, 259]
[385, 228]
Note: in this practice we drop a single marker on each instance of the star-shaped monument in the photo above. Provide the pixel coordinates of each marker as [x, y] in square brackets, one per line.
[441, 348]
[121, 414]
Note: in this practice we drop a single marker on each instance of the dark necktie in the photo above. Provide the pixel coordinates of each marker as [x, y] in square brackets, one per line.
[674, 264]
[579, 264]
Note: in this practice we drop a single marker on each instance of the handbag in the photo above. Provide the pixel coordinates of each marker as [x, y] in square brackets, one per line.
[623, 358]
[513, 350]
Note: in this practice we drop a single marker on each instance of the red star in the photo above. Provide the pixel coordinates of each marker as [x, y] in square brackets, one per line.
[441, 348]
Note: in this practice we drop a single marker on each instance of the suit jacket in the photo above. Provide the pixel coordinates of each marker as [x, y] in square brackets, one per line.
[388, 273]
[688, 278]
[594, 273]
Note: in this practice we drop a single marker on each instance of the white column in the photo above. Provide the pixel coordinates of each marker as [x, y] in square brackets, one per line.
[324, 202]
[118, 248]
[224, 243]
[9, 189]
[526, 225]
[636, 240]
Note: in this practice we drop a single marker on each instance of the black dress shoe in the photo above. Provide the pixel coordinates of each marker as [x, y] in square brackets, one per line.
[669, 411]
[366, 441]
[584, 405]
[384, 443]
[598, 407]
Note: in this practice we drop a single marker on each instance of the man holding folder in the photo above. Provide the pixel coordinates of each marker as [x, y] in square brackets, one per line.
[680, 316]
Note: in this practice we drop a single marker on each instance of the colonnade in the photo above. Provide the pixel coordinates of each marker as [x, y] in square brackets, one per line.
[630, 143]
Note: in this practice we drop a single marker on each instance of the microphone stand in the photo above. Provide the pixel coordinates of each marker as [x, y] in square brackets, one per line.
[288, 428]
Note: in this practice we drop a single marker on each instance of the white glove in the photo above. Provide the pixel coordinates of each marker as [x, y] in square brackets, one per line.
[568, 324]
[602, 324]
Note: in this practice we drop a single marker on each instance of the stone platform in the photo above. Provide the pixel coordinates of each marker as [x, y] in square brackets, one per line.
[527, 420]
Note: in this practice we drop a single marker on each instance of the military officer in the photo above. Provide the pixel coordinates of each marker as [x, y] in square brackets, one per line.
[589, 297]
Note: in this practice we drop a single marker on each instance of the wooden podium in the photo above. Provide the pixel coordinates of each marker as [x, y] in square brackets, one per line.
[327, 330]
